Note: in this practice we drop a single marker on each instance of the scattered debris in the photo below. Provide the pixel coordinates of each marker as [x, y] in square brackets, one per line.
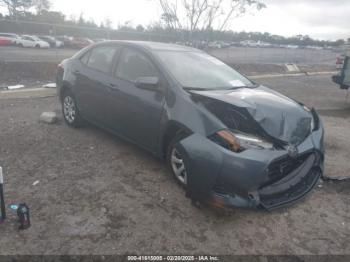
[15, 87]
[320, 184]
[36, 183]
[24, 217]
[162, 200]
[50, 85]
[53, 176]
[48, 117]
[292, 67]
[335, 178]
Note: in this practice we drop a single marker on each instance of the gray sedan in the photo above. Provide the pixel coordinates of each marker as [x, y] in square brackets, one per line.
[226, 139]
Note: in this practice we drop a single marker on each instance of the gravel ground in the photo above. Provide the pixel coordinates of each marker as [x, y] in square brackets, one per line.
[100, 195]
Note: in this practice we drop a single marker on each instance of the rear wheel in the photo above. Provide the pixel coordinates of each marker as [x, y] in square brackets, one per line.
[37, 46]
[20, 45]
[176, 162]
[70, 110]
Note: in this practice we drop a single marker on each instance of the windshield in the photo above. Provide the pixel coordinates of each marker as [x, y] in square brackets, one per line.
[197, 70]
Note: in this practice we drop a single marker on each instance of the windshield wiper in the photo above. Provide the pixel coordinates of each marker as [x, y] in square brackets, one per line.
[237, 87]
[197, 88]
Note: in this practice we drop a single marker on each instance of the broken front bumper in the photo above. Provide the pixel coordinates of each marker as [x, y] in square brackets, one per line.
[254, 178]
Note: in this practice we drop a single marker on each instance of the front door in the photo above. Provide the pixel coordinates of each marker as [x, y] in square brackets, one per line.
[137, 112]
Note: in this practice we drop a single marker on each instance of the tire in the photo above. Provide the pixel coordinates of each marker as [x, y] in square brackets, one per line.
[37, 46]
[175, 161]
[70, 110]
[20, 45]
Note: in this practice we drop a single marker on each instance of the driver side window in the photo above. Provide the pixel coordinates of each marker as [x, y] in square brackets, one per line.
[133, 65]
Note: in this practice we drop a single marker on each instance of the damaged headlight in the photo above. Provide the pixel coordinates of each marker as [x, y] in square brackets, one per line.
[238, 142]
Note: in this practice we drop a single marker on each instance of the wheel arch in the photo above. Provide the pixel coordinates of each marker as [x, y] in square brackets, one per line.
[171, 130]
[65, 87]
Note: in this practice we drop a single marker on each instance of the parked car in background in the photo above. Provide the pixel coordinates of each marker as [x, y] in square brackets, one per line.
[5, 41]
[54, 43]
[32, 41]
[226, 139]
[14, 38]
[340, 61]
[67, 40]
[81, 42]
[215, 45]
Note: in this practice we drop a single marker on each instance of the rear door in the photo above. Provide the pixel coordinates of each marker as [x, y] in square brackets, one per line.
[93, 81]
[136, 112]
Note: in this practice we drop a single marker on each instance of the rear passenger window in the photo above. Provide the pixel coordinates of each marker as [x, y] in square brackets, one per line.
[101, 58]
[133, 65]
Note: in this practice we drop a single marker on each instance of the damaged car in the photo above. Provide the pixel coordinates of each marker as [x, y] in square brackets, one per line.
[227, 140]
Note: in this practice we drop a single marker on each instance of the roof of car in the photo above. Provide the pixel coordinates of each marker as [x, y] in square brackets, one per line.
[156, 46]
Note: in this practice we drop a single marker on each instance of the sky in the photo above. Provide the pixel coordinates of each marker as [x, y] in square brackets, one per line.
[321, 19]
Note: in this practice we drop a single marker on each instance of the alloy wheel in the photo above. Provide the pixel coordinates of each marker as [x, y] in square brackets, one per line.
[69, 109]
[178, 166]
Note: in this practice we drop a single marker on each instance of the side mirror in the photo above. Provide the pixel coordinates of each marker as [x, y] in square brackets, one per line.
[148, 83]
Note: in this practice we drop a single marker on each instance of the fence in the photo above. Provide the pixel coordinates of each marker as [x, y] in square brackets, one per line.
[311, 58]
[277, 56]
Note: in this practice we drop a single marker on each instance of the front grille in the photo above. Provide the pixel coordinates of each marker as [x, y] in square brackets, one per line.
[282, 167]
[294, 193]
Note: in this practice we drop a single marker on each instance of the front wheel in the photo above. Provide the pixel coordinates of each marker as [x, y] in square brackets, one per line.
[70, 110]
[176, 162]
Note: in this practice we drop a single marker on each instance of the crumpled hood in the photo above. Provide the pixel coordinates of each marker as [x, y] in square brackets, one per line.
[280, 116]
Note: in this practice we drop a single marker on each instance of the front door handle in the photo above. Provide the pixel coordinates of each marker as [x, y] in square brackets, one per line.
[112, 87]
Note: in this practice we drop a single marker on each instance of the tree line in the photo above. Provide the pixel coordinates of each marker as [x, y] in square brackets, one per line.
[183, 20]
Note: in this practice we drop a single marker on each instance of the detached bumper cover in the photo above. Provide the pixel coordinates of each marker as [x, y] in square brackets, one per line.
[254, 178]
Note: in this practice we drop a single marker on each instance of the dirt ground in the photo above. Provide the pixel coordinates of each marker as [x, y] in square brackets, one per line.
[100, 195]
